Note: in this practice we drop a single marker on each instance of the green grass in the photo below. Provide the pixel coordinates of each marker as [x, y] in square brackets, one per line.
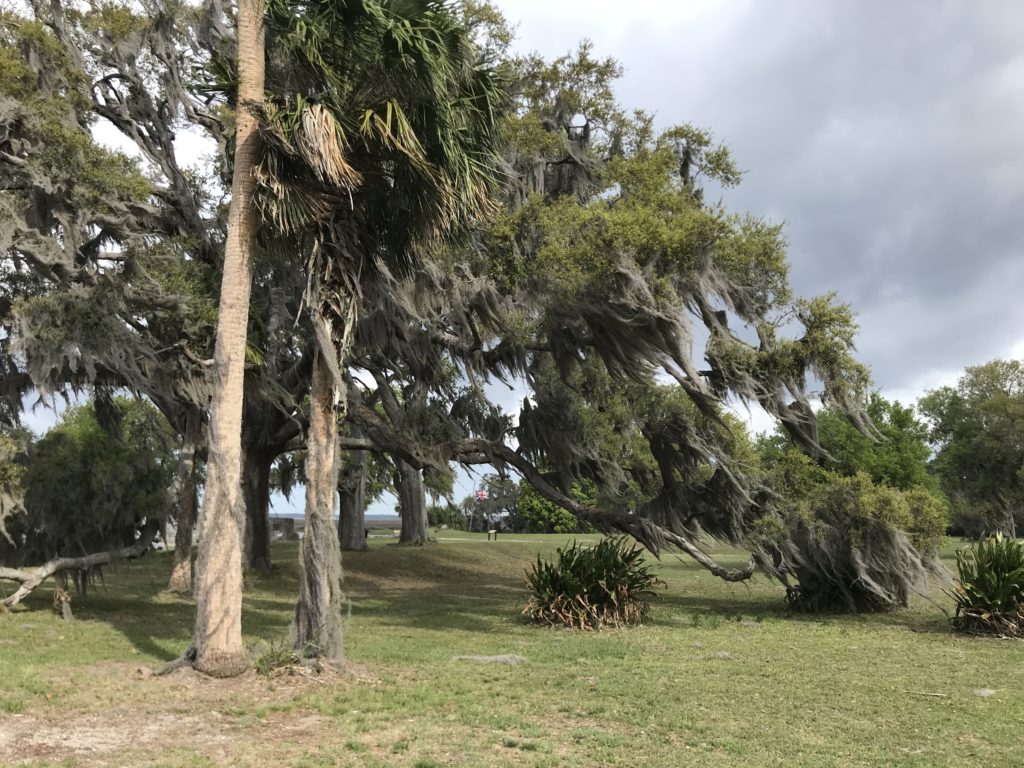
[720, 675]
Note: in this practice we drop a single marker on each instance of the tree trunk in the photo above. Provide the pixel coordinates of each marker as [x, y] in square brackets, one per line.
[256, 492]
[352, 502]
[181, 568]
[217, 647]
[316, 631]
[412, 504]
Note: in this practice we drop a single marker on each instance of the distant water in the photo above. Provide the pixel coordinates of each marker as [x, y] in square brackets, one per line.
[371, 520]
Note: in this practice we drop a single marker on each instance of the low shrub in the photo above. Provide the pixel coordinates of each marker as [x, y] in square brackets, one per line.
[274, 656]
[592, 587]
[990, 595]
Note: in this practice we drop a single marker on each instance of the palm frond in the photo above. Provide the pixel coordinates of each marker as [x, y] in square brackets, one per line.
[323, 146]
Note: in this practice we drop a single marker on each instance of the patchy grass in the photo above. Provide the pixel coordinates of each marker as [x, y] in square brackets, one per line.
[720, 675]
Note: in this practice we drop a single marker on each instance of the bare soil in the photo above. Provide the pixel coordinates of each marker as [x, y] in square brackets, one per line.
[161, 716]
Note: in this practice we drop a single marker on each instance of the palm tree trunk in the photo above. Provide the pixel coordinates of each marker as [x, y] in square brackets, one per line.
[317, 630]
[412, 504]
[217, 647]
[181, 567]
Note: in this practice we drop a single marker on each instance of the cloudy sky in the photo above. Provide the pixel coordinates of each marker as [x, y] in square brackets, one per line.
[889, 137]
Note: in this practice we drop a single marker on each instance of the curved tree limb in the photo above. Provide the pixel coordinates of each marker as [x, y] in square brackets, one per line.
[651, 535]
[480, 451]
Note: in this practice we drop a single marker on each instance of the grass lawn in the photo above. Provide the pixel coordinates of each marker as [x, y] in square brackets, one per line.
[721, 676]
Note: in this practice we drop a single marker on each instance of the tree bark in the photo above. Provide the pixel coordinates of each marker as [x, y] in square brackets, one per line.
[412, 504]
[352, 501]
[217, 647]
[317, 631]
[256, 492]
[181, 568]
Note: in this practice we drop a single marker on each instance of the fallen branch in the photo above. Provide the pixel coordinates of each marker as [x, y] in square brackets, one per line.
[29, 580]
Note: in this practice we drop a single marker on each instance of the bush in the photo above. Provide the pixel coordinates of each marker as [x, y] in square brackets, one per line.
[990, 596]
[438, 515]
[592, 587]
[848, 543]
[88, 490]
[275, 656]
[535, 514]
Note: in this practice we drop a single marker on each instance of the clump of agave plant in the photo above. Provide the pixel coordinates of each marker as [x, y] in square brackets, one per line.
[990, 594]
[590, 587]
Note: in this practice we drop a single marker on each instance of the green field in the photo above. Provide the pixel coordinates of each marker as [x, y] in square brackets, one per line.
[721, 676]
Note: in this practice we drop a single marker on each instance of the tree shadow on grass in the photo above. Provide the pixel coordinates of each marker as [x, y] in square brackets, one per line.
[458, 604]
[131, 600]
[669, 607]
[425, 591]
[674, 608]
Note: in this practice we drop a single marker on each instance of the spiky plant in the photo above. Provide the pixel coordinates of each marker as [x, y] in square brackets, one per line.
[587, 587]
[990, 593]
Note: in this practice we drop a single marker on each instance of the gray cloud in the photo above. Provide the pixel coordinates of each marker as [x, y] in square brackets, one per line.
[886, 136]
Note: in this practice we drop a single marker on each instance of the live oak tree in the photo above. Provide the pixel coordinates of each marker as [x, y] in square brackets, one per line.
[840, 539]
[13, 444]
[418, 405]
[611, 258]
[88, 489]
[602, 274]
[897, 455]
[872, 491]
[977, 428]
[90, 301]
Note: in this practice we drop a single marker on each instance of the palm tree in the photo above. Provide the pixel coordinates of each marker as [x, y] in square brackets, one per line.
[381, 141]
[217, 638]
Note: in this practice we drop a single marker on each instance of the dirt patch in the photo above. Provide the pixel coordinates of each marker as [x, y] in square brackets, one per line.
[93, 739]
[155, 715]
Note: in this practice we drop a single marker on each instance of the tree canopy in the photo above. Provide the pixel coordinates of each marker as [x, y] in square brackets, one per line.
[977, 428]
[87, 489]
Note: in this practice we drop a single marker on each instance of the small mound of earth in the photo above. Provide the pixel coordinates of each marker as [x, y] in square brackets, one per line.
[509, 659]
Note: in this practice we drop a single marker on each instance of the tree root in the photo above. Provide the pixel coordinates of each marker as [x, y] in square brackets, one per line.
[185, 660]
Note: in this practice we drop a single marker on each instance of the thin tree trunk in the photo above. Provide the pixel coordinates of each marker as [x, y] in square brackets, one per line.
[317, 630]
[352, 502]
[181, 567]
[256, 491]
[412, 504]
[217, 647]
